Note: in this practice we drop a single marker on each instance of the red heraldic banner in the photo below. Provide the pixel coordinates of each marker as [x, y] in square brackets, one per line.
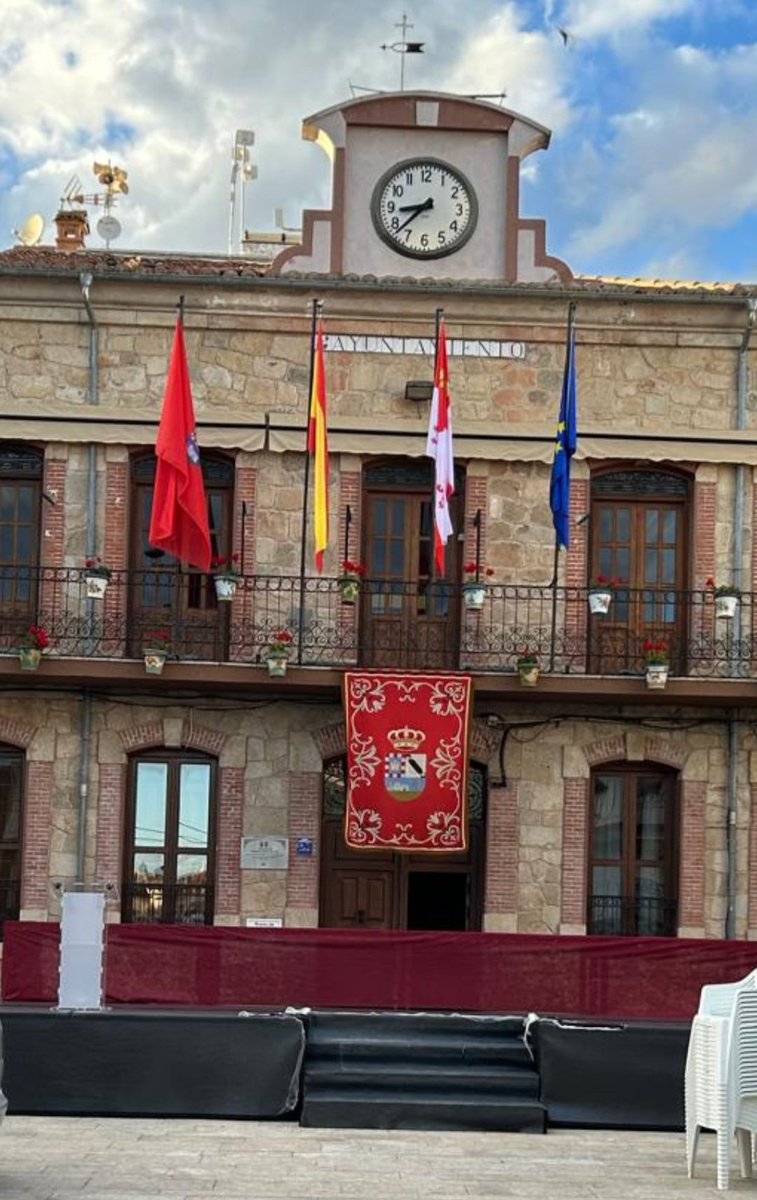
[407, 756]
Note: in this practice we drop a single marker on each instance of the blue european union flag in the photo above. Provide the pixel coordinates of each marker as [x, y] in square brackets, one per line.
[565, 447]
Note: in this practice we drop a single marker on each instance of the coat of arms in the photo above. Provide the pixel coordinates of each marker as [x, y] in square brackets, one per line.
[405, 766]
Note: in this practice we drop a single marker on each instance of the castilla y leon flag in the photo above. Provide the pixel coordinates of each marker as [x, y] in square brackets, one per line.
[318, 447]
[179, 518]
[439, 447]
[407, 755]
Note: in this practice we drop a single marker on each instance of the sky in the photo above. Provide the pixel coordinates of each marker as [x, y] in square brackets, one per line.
[652, 169]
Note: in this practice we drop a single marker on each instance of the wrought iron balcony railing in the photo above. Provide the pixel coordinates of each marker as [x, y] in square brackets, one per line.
[10, 894]
[634, 916]
[177, 903]
[410, 625]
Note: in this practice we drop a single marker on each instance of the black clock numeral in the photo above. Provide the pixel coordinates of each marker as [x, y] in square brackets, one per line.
[407, 235]
[409, 178]
[397, 189]
[426, 175]
[453, 226]
[424, 240]
[442, 180]
[441, 238]
[395, 222]
[390, 207]
[459, 210]
[455, 192]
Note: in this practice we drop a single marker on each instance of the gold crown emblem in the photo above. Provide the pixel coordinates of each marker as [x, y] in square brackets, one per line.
[406, 739]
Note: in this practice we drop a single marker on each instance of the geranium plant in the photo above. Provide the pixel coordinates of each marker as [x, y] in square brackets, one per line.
[352, 570]
[603, 583]
[35, 638]
[225, 565]
[721, 589]
[656, 653]
[475, 573]
[528, 658]
[280, 644]
[94, 565]
[158, 639]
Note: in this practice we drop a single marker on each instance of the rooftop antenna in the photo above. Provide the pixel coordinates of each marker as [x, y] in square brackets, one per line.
[404, 47]
[31, 231]
[242, 171]
[114, 181]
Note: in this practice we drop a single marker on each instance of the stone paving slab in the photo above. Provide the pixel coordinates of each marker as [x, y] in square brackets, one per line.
[73, 1158]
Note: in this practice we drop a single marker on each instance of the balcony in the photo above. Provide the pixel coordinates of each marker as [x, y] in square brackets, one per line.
[412, 626]
[635, 916]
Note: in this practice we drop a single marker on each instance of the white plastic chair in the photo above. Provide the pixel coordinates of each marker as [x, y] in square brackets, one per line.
[721, 1078]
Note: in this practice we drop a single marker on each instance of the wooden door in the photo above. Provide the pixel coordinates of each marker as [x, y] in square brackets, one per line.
[166, 595]
[359, 897]
[410, 617]
[640, 541]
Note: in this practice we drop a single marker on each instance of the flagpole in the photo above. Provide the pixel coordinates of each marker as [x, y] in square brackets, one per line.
[556, 560]
[432, 535]
[317, 306]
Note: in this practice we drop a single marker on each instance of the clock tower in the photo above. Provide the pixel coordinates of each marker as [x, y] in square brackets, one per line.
[424, 185]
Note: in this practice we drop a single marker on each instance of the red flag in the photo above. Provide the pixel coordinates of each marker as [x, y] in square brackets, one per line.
[439, 447]
[179, 519]
[318, 446]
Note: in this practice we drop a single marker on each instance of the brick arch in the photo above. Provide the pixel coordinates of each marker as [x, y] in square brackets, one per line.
[16, 733]
[331, 741]
[654, 749]
[154, 733]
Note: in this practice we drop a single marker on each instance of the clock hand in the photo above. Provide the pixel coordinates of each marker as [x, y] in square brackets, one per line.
[417, 208]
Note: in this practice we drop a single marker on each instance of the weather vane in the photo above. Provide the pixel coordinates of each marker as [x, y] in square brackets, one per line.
[404, 47]
[113, 180]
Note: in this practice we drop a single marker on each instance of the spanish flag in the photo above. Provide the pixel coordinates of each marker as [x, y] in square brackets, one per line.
[318, 447]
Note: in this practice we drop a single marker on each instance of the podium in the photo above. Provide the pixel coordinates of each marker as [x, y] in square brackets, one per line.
[81, 984]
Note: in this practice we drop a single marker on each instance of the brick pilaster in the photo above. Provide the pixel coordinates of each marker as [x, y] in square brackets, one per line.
[350, 494]
[692, 841]
[574, 846]
[304, 821]
[52, 589]
[110, 823]
[577, 577]
[228, 872]
[703, 548]
[115, 554]
[501, 896]
[38, 821]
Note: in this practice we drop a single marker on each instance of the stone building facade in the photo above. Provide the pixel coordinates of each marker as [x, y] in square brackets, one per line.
[600, 805]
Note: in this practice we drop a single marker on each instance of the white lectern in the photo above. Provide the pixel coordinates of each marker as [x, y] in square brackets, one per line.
[82, 947]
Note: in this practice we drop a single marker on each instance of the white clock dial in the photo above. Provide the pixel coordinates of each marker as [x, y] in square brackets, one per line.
[424, 208]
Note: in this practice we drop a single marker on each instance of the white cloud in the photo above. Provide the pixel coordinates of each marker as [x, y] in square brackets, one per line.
[594, 19]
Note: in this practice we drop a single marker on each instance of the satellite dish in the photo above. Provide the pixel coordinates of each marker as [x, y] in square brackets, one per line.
[31, 231]
[109, 228]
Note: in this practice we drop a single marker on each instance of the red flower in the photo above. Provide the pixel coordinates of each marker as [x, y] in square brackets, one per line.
[709, 582]
[353, 568]
[470, 568]
[283, 637]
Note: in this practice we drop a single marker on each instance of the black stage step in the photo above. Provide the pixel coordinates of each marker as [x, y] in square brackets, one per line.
[419, 1071]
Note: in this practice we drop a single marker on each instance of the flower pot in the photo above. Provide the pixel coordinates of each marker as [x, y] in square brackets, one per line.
[155, 660]
[97, 585]
[599, 602]
[657, 675]
[350, 589]
[528, 675]
[277, 665]
[29, 657]
[226, 587]
[474, 595]
[725, 606]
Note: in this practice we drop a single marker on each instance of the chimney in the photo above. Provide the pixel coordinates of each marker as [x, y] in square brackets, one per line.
[73, 227]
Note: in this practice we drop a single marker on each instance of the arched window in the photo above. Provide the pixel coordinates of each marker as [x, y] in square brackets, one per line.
[166, 595]
[170, 838]
[379, 889]
[20, 501]
[640, 521]
[633, 851]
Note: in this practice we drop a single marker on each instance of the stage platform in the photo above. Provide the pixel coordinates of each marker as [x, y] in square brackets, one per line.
[346, 1069]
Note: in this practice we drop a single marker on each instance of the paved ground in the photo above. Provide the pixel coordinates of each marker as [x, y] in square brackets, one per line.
[70, 1158]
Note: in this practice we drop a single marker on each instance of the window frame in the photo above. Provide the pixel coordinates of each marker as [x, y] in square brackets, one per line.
[170, 847]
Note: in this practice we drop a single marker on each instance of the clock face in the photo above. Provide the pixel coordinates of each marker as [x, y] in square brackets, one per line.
[423, 208]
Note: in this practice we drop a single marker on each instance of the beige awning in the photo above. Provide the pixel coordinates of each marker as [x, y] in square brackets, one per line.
[124, 426]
